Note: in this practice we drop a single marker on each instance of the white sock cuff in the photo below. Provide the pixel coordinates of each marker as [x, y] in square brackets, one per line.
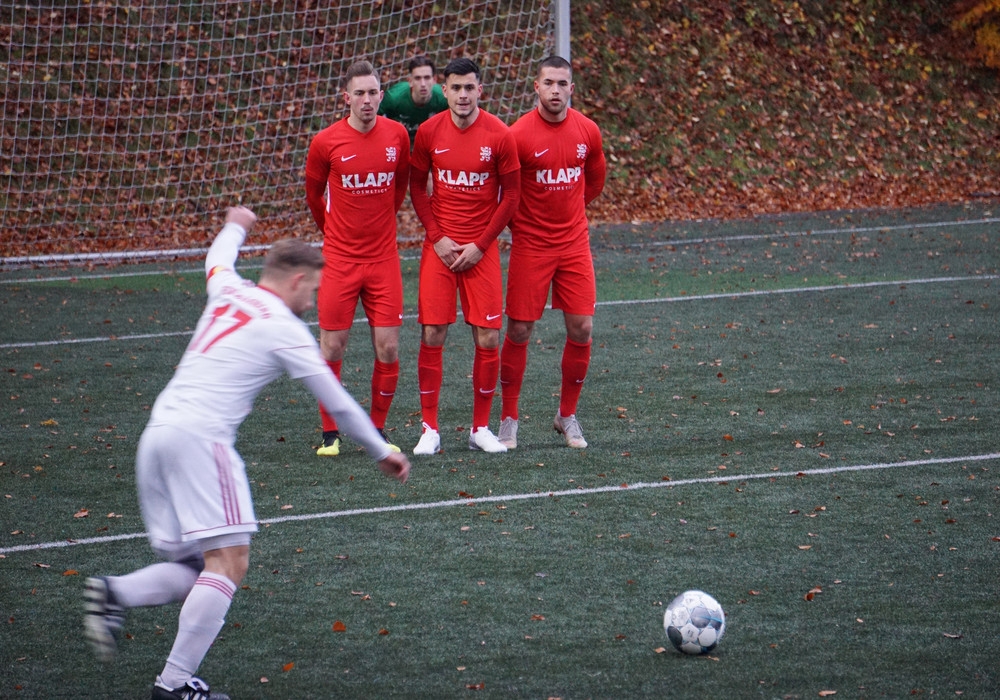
[218, 582]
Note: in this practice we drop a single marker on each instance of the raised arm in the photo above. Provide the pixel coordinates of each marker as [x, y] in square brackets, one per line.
[226, 246]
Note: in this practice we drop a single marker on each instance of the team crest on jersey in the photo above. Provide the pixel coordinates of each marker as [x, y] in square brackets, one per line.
[581, 151]
[485, 154]
[391, 153]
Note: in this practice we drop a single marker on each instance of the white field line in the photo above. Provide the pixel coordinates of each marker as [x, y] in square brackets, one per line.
[658, 300]
[817, 232]
[620, 488]
[141, 273]
[678, 242]
[134, 336]
[799, 290]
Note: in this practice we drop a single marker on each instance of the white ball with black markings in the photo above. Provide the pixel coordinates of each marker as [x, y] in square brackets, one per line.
[694, 622]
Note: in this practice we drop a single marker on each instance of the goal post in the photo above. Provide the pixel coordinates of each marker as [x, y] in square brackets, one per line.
[128, 126]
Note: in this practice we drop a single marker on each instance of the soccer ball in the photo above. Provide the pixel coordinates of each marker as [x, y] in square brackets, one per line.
[694, 622]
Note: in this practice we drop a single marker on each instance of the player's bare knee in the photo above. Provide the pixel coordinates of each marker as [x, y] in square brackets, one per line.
[486, 338]
[519, 331]
[333, 344]
[228, 555]
[386, 348]
[579, 329]
[433, 335]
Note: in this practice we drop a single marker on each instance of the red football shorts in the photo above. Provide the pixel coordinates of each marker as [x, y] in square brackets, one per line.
[529, 277]
[480, 290]
[379, 285]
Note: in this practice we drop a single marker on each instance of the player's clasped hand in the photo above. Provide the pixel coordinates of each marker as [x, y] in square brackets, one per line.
[467, 258]
[447, 250]
[396, 466]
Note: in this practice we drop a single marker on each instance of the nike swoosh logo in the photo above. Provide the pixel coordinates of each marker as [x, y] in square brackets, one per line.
[382, 393]
[539, 154]
[427, 392]
[344, 159]
[441, 150]
[487, 391]
[491, 317]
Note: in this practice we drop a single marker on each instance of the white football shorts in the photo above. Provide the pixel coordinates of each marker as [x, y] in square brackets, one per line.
[190, 490]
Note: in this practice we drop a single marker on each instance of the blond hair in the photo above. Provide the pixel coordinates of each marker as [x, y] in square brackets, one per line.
[291, 254]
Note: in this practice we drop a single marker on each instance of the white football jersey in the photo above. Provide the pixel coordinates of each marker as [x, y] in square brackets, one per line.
[245, 339]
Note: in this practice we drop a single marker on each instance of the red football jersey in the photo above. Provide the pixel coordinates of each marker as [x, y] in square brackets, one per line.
[562, 168]
[465, 165]
[366, 176]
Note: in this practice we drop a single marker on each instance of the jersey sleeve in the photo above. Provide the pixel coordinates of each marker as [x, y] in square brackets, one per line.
[402, 179]
[508, 169]
[420, 165]
[420, 157]
[596, 169]
[510, 193]
[301, 359]
[509, 161]
[318, 157]
[220, 261]
[298, 350]
[350, 417]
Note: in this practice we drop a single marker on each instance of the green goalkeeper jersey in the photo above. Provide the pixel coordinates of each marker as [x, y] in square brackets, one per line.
[398, 105]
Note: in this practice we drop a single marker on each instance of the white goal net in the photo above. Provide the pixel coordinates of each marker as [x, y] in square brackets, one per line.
[127, 126]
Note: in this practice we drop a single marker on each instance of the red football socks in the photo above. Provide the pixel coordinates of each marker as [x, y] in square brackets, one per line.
[328, 422]
[385, 376]
[485, 367]
[429, 372]
[513, 361]
[575, 361]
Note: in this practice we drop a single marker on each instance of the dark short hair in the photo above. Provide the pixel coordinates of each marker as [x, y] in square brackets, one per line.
[357, 70]
[420, 62]
[290, 254]
[555, 62]
[462, 66]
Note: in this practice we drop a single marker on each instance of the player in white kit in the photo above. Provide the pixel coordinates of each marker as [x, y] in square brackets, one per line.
[193, 489]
